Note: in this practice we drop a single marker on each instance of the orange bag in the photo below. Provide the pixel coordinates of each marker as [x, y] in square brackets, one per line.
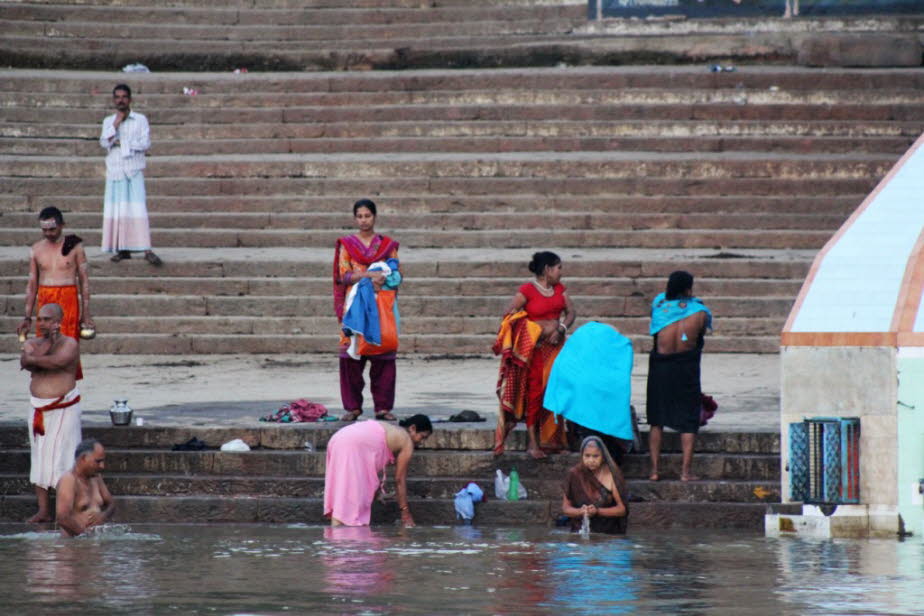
[385, 300]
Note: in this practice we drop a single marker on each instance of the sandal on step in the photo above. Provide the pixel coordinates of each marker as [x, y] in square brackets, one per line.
[385, 416]
[119, 256]
[351, 415]
[153, 259]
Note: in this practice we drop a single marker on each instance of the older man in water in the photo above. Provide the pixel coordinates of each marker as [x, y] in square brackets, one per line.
[83, 499]
[54, 423]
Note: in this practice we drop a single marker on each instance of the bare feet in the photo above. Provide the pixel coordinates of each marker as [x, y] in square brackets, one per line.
[688, 477]
[654, 476]
[39, 518]
[536, 453]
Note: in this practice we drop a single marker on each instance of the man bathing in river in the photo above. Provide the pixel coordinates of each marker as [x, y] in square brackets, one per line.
[54, 423]
[83, 500]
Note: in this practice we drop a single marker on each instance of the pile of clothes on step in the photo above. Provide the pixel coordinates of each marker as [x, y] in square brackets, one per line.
[298, 411]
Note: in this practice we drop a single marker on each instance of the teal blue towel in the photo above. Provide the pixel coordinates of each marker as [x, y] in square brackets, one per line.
[591, 380]
[666, 311]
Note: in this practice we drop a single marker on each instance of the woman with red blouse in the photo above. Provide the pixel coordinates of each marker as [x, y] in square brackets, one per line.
[534, 328]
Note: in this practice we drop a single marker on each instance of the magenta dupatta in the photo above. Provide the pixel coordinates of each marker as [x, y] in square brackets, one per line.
[380, 247]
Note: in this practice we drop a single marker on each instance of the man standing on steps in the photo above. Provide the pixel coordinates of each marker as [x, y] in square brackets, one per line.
[58, 275]
[126, 137]
[54, 424]
[678, 323]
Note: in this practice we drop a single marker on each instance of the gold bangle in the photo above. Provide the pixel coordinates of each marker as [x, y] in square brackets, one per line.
[404, 508]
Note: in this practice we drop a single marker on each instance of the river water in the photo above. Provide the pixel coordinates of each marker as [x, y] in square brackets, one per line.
[161, 569]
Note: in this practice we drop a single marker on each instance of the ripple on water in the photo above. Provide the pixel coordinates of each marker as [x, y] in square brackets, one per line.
[107, 532]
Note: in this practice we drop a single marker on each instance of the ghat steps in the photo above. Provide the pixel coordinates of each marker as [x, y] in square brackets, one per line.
[628, 172]
[195, 35]
[280, 482]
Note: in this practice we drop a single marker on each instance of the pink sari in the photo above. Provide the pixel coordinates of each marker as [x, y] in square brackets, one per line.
[356, 455]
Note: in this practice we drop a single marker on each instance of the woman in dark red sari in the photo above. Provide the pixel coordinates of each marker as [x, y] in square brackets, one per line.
[595, 487]
[353, 255]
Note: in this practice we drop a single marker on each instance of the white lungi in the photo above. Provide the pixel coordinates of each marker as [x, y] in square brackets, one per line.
[53, 453]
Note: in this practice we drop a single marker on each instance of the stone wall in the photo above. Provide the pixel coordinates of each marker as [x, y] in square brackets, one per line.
[910, 441]
[846, 382]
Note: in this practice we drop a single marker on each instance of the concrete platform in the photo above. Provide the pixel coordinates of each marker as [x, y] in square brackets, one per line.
[234, 390]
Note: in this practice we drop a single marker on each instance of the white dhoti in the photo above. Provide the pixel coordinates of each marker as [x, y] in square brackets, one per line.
[125, 215]
[53, 451]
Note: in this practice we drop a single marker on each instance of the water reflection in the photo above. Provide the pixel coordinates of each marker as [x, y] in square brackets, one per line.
[839, 575]
[54, 570]
[590, 577]
[522, 570]
[355, 561]
[80, 570]
[462, 569]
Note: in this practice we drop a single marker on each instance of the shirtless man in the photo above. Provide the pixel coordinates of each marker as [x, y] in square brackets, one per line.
[83, 499]
[57, 266]
[54, 424]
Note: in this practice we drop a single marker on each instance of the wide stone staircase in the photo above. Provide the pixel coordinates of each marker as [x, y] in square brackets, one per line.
[627, 172]
[197, 35]
[280, 482]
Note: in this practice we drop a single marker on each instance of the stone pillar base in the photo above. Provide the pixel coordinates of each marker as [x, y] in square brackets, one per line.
[847, 522]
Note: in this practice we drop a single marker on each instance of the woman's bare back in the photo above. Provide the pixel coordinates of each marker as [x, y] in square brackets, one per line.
[682, 335]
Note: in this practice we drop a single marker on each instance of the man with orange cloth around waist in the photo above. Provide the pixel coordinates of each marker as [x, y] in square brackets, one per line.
[54, 423]
[57, 267]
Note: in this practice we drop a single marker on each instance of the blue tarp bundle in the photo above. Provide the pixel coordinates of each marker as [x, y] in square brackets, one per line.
[591, 380]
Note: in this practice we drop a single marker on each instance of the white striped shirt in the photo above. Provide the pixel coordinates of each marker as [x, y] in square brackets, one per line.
[125, 146]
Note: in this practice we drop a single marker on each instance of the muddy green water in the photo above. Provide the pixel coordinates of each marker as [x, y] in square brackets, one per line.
[148, 569]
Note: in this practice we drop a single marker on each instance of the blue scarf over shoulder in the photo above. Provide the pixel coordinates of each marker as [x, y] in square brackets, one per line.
[666, 311]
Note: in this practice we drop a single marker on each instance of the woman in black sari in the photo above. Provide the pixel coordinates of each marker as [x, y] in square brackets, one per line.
[596, 487]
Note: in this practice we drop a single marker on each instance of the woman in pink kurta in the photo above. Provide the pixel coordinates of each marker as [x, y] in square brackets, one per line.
[356, 459]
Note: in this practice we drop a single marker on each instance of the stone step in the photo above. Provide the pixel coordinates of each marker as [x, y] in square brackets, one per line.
[736, 107]
[488, 238]
[447, 436]
[267, 510]
[161, 108]
[432, 306]
[766, 134]
[414, 325]
[704, 166]
[249, 15]
[347, 188]
[431, 464]
[275, 29]
[403, 223]
[785, 78]
[82, 148]
[126, 484]
[166, 207]
[426, 344]
[313, 4]
[458, 287]
[449, 263]
[568, 45]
